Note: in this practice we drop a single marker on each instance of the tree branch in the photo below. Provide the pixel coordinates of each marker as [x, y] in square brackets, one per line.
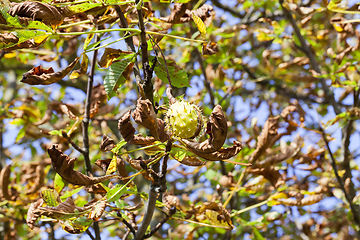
[306, 48]
[342, 187]
[85, 130]
[130, 47]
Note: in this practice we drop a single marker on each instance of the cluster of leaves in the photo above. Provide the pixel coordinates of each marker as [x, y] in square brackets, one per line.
[279, 64]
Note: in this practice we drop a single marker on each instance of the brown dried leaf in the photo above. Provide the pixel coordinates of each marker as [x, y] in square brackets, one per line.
[110, 55]
[103, 163]
[66, 110]
[216, 128]
[4, 182]
[145, 115]
[63, 208]
[192, 161]
[64, 166]
[221, 154]
[227, 181]
[37, 11]
[312, 199]
[38, 182]
[288, 153]
[181, 14]
[136, 163]
[171, 200]
[33, 214]
[96, 189]
[40, 76]
[127, 131]
[107, 143]
[98, 210]
[120, 166]
[270, 174]
[267, 137]
[210, 48]
[217, 214]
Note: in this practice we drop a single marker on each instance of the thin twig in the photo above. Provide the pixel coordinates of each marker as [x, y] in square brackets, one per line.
[90, 234]
[130, 47]
[127, 224]
[147, 83]
[159, 225]
[206, 81]
[306, 48]
[73, 144]
[85, 129]
[348, 198]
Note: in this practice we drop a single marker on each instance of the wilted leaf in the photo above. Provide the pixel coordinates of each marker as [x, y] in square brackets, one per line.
[40, 76]
[270, 174]
[64, 166]
[216, 128]
[216, 214]
[267, 137]
[97, 210]
[4, 182]
[114, 55]
[145, 115]
[181, 14]
[83, 68]
[127, 131]
[107, 144]
[112, 166]
[37, 11]
[33, 214]
[120, 166]
[221, 154]
[22, 39]
[76, 226]
[210, 48]
[38, 182]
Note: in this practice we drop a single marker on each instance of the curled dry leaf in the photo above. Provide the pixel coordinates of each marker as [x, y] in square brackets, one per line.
[33, 213]
[4, 182]
[40, 76]
[103, 163]
[270, 174]
[96, 189]
[37, 11]
[110, 55]
[64, 166]
[267, 137]
[145, 115]
[38, 182]
[192, 161]
[107, 143]
[311, 199]
[288, 153]
[171, 200]
[181, 14]
[127, 131]
[221, 154]
[136, 163]
[120, 166]
[97, 210]
[216, 214]
[210, 48]
[216, 128]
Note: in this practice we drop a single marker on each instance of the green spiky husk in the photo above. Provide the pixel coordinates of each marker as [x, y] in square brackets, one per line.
[182, 119]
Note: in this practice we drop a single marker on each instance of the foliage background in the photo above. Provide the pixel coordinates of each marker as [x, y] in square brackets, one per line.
[297, 59]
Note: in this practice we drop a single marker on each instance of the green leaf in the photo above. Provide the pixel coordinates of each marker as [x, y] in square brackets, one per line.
[59, 183]
[257, 234]
[70, 193]
[114, 77]
[76, 226]
[56, 132]
[118, 146]
[178, 153]
[50, 197]
[115, 193]
[24, 35]
[178, 76]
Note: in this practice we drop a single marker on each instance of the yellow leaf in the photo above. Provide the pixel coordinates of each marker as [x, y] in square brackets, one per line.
[200, 25]
[10, 55]
[112, 166]
[217, 219]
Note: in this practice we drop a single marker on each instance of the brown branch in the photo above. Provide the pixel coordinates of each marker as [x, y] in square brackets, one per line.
[306, 48]
[348, 198]
[159, 225]
[206, 80]
[85, 129]
[130, 47]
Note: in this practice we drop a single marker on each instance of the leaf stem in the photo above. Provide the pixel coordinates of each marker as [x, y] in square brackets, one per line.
[98, 31]
[249, 208]
[235, 188]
